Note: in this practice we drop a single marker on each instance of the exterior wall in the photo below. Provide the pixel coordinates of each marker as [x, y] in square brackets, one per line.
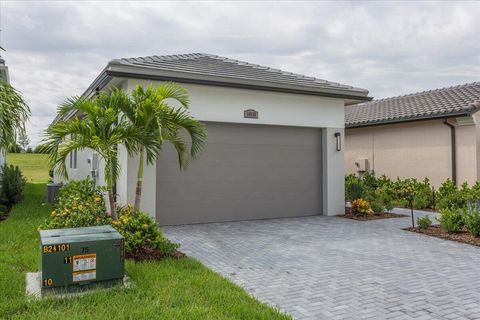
[83, 167]
[220, 104]
[333, 171]
[467, 159]
[415, 149]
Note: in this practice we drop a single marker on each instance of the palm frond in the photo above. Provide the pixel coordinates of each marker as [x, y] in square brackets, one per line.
[14, 113]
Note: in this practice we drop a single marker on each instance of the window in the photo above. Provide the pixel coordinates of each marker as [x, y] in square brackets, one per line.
[73, 160]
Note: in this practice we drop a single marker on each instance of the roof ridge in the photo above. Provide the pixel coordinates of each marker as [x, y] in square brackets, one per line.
[164, 57]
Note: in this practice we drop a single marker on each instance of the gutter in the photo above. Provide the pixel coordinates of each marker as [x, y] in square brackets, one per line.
[454, 149]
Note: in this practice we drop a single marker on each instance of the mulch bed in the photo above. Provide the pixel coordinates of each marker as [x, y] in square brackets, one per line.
[375, 216]
[436, 231]
[148, 254]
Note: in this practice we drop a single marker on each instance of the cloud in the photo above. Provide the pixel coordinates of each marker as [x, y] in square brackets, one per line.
[56, 49]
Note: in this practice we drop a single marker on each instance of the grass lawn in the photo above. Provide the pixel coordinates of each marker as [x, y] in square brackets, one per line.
[34, 166]
[170, 289]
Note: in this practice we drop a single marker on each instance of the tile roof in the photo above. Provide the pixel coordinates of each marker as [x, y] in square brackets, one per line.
[457, 100]
[203, 66]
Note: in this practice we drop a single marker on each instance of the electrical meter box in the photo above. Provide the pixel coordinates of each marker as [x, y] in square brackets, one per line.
[75, 259]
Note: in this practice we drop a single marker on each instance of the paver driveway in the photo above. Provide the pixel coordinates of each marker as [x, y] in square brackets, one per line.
[335, 268]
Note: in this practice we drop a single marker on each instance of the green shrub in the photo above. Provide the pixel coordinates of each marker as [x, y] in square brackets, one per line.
[12, 183]
[377, 206]
[387, 194]
[448, 196]
[474, 193]
[141, 231]
[472, 222]
[3, 210]
[79, 204]
[354, 188]
[423, 194]
[424, 222]
[451, 220]
[370, 181]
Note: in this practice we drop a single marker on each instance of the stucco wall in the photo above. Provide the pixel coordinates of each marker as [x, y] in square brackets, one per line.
[220, 104]
[416, 149]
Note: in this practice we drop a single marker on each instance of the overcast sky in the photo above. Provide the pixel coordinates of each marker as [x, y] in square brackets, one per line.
[55, 49]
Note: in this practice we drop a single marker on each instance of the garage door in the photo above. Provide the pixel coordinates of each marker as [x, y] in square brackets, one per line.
[247, 172]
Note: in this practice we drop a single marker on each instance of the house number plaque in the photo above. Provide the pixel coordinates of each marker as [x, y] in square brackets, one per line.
[250, 114]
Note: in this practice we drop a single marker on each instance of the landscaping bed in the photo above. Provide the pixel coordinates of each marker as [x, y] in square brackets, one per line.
[148, 254]
[462, 236]
[373, 216]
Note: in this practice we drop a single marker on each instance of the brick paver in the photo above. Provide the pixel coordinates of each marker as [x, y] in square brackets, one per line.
[335, 268]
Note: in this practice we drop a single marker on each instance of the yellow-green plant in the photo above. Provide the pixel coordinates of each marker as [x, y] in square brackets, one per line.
[361, 207]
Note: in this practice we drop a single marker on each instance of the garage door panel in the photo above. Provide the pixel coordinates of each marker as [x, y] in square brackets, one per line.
[256, 176]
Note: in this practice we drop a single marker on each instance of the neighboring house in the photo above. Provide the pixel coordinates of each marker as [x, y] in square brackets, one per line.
[432, 134]
[272, 138]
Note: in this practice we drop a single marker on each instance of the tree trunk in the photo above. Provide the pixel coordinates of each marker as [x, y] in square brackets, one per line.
[113, 205]
[138, 191]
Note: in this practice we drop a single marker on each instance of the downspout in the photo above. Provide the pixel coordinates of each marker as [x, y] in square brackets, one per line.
[454, 149]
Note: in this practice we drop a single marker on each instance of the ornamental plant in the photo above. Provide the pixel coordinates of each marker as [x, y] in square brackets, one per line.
[424, 222]
[472, 219]
[12, 183]
[361, 207]
[79, 204]
[141, 232]
[451, 220]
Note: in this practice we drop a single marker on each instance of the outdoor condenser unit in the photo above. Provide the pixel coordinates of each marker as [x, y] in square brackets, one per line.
[75, 259]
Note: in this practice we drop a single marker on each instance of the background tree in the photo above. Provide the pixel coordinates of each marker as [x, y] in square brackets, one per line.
[23, 140]
[100, 128]
[149, 109]
[14, 113]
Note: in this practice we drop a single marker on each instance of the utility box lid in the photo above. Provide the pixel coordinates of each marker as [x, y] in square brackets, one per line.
[69, 235]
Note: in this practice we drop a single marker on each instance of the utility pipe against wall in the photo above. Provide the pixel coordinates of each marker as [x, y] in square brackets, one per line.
[454, 149]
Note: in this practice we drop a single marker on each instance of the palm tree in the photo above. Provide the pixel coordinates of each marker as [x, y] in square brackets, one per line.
[149, 109]
[14, 113]
[99, 126]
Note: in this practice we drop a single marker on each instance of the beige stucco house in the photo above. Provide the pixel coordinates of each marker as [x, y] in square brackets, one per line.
[432, 134]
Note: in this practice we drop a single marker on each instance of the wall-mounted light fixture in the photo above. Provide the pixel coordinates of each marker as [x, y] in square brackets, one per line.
[338, 141]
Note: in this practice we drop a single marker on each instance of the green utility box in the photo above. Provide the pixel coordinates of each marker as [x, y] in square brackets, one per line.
[75, 259]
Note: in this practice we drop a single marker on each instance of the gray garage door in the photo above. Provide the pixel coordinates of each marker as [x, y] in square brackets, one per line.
[247, 172]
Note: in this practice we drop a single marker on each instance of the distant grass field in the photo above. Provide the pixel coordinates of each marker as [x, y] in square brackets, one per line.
[34, 166]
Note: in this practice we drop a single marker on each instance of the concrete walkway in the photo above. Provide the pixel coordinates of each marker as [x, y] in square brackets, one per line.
[336, 268]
